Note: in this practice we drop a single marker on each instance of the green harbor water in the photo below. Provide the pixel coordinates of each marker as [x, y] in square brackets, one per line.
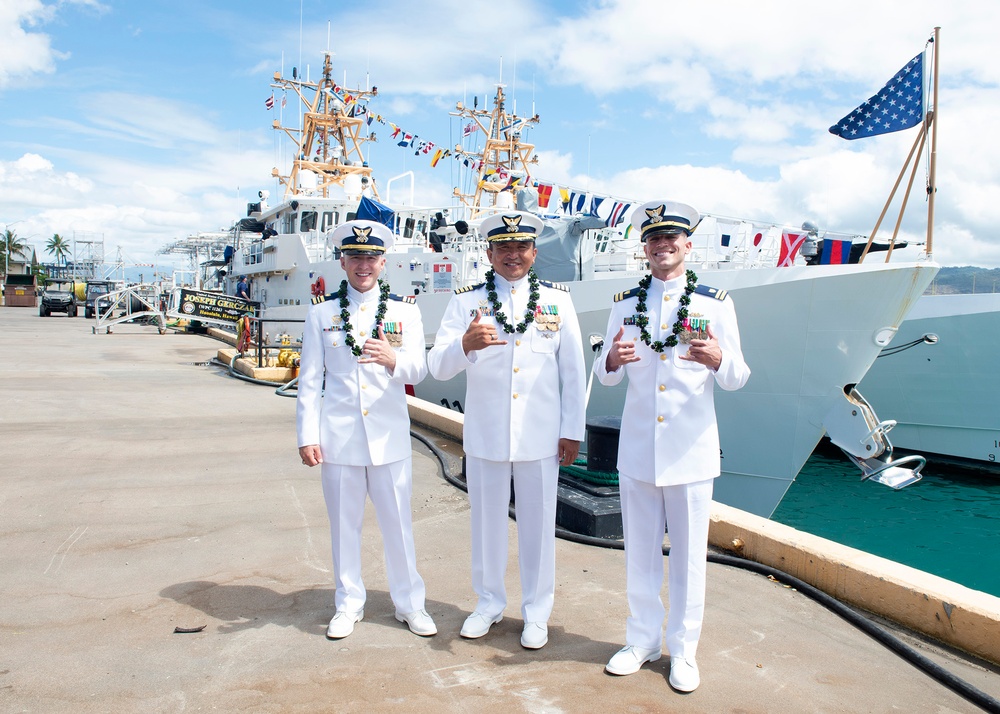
[947, 524]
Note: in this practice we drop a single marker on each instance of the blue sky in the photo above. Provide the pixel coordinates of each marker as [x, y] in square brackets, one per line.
[144, 121]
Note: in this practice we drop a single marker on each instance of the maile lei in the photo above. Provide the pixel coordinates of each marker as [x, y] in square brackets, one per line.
[642, 321]
[383, 296]
[529, 313]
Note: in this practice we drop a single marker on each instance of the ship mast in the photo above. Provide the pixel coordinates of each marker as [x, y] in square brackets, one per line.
[329, 145]
[503, 159]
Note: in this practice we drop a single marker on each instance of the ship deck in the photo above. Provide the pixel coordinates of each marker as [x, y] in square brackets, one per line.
[146, 490]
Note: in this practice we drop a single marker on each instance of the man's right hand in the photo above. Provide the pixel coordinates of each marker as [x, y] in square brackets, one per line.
[311, 455]
[480, 335]
[620, 352]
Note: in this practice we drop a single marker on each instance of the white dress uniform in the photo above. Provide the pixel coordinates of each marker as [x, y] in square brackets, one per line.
[521, 398]
[358, 415]
[668, 456]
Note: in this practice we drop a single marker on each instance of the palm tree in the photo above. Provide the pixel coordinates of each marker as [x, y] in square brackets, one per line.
[10, 247]
[59, 247]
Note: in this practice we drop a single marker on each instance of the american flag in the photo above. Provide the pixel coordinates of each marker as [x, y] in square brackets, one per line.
[898, 105]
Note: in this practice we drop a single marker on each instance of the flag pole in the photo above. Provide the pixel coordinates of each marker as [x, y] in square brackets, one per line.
[906, 198]
[932, 175]
[918, 141]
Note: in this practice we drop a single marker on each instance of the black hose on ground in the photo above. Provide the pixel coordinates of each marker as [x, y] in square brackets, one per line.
[932, 669]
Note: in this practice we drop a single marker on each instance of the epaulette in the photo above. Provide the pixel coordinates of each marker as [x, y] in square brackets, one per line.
[711, 292]
[557, 286]
[469, 288]
[403, 298]
[626, 294]
[323, 298]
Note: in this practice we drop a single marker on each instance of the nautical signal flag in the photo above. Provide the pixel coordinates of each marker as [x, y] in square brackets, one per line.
[618, 212]
[269, 102]
[544, 194]
[790, 244]
[897, 106]
[835, 252]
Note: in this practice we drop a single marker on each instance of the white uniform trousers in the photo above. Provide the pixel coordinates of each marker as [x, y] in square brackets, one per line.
[535, 487]
[646, 510]
[390, 488]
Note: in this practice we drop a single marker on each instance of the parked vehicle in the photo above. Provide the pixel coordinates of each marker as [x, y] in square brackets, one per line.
[95, 289]
[59, 296]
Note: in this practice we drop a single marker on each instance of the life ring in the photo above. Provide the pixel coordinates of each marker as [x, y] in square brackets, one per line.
[319, 287]
[243, 334]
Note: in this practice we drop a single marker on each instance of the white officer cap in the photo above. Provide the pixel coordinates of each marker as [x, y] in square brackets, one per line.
[511, 225]
[363, 238]
[656, 217]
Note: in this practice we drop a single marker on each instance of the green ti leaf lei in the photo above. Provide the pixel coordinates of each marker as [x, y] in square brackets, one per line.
[529, 313]
[349, 340]
[642, 320]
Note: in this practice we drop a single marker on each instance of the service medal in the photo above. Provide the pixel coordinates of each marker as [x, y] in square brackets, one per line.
[393, 332]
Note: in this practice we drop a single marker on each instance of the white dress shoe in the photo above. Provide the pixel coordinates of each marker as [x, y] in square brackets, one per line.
[534, 635]
[342, 624]
[419, 622]
[477, 624]
[629, 659]
[684, 675]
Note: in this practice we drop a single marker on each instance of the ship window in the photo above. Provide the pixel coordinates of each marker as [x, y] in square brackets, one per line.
[408, 228]
[329, 220]
[308, 221]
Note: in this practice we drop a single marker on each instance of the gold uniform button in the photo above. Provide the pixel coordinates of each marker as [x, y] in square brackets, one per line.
[517, 342]
[365, 413]
[517, 369]
[663, 326]
[362, 308]
[515, 395]
[663, 387]
[659, 418]
[666, 298]
[364, 386]
[663, 357]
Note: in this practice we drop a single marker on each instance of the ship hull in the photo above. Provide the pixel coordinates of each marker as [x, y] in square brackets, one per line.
[944, 396]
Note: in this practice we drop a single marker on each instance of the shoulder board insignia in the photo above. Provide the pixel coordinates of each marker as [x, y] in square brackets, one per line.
[626, 294]
[711, 292]
[469, 288]
[556, 286]
[403, 298]
[323, 298]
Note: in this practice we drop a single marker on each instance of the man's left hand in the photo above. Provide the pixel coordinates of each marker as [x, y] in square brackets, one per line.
[706, 352]
[378, 352]
[568, 450]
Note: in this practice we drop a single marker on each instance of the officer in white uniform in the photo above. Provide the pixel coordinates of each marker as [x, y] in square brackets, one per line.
[518, 339]
[675, 339]
[360, 348]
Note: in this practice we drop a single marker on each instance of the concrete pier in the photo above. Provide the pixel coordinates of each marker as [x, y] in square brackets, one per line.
[145, 490]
